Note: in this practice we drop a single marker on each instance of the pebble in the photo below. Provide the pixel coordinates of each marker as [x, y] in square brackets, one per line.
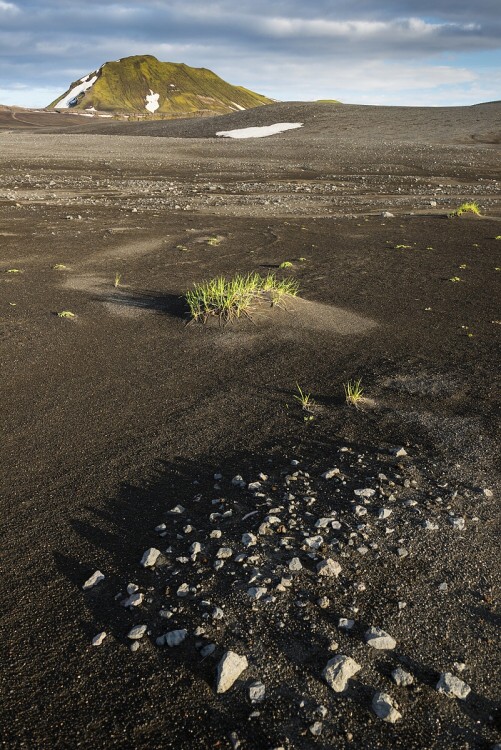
[256, 592]
[137, 632]
[430, 525]
[134, 646]
[452, 686]
[387, 215]
[330, 473]
[295, 564]
[379, 639]
[257, 692]
[95, 578]
[401, 677]
[134, 600]
[457, 522]
[328, 568]
[183, 590]
[150, 557]
[345, 624]
[316, 728]
[366, 492]
[177, 510]
[249, 540]
[175, 637]
[398, 452]
[98, 639]
[323, 602]
[384, 707]
[207, 650]
[384, 513]
[229, 670]
[339, 670]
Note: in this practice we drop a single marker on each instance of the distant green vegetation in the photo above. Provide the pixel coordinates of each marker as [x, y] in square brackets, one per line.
[228, 299]
[328, 101]
[466, 208]
[122, 86]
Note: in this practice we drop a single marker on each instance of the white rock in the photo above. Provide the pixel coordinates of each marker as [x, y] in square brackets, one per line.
[488, 493]
[238, 481]
[256, 592]
[195, 548]
[452, 686]
[229, 670]
[365, 492]
[177, 509]
[175, 637]
[457, 523]
[345, 624]
[398, 452]
[360, 511]
[254, 486]
[401, 677]
[384, 707]
[160, 527]
[150, 557]
[257, 692]
[95, 578]
[316, 728]
[379, 639]
[314, 542]
[98, 639]
[224, 553]
[249, 540]
[339, 670]
[137, 632]
[384, 513]
[134, 600]
[330, 473]
[216, 534]
[329, 568]
[430, 525]
[132, 588]
[387, 215]
[183, 590]
[295, 564]
[322, 523]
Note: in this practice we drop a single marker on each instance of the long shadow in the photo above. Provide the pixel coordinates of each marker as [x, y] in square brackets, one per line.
[165, 303]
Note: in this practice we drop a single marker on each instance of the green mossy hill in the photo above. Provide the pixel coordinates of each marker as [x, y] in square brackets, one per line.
[122, 87]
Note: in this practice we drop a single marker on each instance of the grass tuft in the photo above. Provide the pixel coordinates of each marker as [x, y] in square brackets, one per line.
[466, 208]
[228, 299]
[118, 279]
[304, 399]
[354, 393]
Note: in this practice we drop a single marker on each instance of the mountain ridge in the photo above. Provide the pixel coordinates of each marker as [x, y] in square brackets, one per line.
[143, 85]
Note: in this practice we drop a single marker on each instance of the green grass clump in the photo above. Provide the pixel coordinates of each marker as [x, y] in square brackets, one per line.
[354, 393]
[228, 299]
[304, 399]
[466, 208]
[286, 264]
[66, 314]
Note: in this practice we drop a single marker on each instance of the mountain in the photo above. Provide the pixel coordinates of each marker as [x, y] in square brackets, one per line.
[143, 85]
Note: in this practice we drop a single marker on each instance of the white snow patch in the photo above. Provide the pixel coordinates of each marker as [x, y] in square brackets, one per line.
[238, 106]
[260, 132]
[65, 103]
[152, 102]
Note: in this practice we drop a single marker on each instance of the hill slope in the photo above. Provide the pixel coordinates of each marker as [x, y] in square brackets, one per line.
[143, 84]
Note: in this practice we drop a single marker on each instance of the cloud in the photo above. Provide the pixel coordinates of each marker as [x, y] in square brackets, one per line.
[371, 49]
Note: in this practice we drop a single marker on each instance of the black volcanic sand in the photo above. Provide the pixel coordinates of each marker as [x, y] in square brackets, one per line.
[115, 416]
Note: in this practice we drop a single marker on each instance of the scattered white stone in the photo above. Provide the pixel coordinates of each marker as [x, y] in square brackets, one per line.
[401, 677]
[224, 553]
[238, 481]
[457, 522]
[322, 523]
[387, 215]
[360, 511]
[183, 590]
[452, 686]
[256, 592]
[345, 624]
[150, 557]
[316, 728]
[95, 578]
[177, 510]
[488, 493]
[398, 452]
[175, 637]
[328, 568]
[134, 600]
[459, 666]
[257, 692]
[216, 534]
[229, 670]
[132, 588]
[402, 552]
[384, 513]
[338, 671]
[249, 540]
[365, 492]
[98, 639]
[295, 564]
[254, 486]
[430, 525]
[134, 646]
[161, 527]
[384, 707]
[330, 473]
[195, 548]
[137, 632]
[379, 639]
[314, 542]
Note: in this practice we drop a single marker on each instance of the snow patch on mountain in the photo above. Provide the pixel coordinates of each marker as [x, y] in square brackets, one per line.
[152, 102]
[84, 85]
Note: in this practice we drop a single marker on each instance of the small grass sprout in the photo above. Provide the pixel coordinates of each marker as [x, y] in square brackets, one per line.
[59, 267]
[286, 264]
[14, 270]
[403, 247]
[466, 208]
[304, 399]
[455, 279]
[354, 393]
[118, 279]
[214, 241]
[66, 314]
[228, 299]
[497, 237]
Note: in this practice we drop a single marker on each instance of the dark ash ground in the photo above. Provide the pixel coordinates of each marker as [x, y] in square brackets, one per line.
[116, 416]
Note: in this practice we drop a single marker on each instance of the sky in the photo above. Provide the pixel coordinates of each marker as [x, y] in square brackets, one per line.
[390, 52]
